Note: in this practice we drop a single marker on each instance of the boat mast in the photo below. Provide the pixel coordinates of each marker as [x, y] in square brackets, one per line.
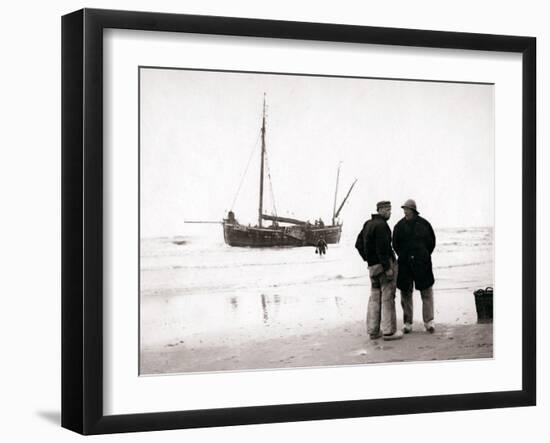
[345, 198]
[260, 207]
[336, 194]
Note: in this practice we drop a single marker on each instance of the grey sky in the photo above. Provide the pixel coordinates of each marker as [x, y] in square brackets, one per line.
[433, 142]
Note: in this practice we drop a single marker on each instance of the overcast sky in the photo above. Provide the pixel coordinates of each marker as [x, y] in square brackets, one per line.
[433, 142]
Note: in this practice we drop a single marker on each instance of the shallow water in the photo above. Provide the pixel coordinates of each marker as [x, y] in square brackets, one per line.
[197, 290]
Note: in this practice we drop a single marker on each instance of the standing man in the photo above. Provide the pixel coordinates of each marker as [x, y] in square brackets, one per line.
[374, 244]
[321, 246]
[414, 242]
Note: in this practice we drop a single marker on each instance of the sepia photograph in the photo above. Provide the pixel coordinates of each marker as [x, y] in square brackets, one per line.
[302, 220]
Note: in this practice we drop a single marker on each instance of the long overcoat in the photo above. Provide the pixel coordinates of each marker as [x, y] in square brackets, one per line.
[414, 242]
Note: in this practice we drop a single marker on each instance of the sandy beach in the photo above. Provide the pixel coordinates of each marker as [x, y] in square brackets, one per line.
[209, 307]
[347, 345]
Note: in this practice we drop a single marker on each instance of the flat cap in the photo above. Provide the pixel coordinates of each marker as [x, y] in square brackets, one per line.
[383, 204]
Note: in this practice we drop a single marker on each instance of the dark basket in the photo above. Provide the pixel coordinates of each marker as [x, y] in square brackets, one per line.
[484, 305]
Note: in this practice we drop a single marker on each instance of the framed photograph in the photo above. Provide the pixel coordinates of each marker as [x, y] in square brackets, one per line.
[269, 221]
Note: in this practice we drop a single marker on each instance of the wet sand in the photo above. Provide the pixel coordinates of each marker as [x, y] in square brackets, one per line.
[345, 345]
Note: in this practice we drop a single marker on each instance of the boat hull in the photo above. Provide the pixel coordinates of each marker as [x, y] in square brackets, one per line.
[247, 236]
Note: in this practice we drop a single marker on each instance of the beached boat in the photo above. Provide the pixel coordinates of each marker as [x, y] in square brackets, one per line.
[283, 231]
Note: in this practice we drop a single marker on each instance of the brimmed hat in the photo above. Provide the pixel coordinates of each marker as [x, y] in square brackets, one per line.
[410, 204]
[383, 204]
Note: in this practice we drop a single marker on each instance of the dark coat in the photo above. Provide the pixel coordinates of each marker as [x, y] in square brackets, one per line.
[377, 242]
[414, 242]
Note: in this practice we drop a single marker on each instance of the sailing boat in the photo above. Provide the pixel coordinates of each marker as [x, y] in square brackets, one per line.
[294, 232]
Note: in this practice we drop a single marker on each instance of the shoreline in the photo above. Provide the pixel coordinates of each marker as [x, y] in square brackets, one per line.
[245, 309]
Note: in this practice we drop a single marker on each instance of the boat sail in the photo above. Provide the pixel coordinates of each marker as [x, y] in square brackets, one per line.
[283, 231]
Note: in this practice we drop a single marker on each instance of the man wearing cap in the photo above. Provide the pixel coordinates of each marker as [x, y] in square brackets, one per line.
[376, 237]
[414, 242]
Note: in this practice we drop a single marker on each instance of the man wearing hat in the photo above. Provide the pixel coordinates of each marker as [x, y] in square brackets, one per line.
[414, 242]
[376, 246]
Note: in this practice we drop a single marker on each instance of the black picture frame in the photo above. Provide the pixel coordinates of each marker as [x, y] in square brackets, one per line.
[82, 220]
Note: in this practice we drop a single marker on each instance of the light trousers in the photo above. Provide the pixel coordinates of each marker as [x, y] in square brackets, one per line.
[381, 307]
[427, 296]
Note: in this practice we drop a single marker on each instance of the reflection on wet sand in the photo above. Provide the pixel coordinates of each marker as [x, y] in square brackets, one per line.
[269, 303]
[338, 303]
